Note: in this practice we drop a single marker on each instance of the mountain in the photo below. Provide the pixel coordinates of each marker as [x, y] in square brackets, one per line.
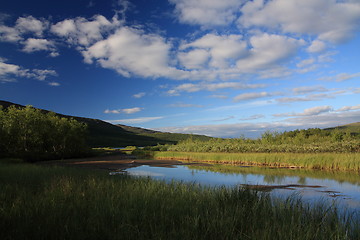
[104, 134]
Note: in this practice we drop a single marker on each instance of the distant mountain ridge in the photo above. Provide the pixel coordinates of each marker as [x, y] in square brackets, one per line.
[104, 134]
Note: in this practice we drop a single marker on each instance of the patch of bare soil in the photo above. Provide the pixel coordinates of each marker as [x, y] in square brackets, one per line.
[118, 162]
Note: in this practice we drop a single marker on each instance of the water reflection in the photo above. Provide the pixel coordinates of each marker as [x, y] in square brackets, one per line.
[341, 188]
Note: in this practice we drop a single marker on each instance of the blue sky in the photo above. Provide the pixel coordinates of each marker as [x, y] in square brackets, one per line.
[220, 68]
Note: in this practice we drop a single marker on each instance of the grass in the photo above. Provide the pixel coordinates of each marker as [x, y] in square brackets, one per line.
[38, 202]
[323, 161]
[273, 174]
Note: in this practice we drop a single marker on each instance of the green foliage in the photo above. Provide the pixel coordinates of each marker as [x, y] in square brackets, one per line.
[61, 203]
[323, 161]
[30, 134]
[299, 141]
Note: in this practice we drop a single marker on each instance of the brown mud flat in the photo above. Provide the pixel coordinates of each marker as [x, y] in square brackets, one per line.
[118, 162]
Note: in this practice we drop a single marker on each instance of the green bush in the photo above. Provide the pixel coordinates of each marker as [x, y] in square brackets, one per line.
[32, 135]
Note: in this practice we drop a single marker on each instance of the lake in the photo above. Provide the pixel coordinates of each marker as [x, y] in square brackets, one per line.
[340, 188]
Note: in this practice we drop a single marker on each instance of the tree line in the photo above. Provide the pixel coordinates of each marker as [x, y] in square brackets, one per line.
[30, 134]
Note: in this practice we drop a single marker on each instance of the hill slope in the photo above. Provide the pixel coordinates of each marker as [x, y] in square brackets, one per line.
[104, 134]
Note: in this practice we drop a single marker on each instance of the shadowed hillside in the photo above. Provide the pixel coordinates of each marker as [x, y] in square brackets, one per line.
[104, 134]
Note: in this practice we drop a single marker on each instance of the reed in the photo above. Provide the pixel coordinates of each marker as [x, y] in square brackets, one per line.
[38, 202]
[324, 161]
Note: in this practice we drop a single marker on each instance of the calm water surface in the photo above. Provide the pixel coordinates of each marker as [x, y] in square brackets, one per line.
[341, 188]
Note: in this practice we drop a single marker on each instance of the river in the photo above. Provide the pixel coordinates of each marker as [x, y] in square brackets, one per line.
[339, 188]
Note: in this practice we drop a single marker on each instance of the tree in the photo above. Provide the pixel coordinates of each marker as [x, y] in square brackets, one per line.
[30, 134]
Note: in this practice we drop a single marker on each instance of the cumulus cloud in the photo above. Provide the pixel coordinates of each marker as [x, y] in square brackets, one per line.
[316, 46]
[124, 110]
[9, 34]
[268, 51]
[23, 26]
[8, 71]
[213, 51]
[31, 25]
[84, 32]
[206, 13]
[132, 52]
[328, 20]
[33, 45]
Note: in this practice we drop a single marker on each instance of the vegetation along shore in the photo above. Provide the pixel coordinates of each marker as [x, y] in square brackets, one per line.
[45, 201]
[39, 202]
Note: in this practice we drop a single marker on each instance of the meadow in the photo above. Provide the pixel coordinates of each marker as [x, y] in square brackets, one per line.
[38, 202]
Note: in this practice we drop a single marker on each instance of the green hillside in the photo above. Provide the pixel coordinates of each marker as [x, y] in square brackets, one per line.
[353, 128]
[164, 136]
[104, 134]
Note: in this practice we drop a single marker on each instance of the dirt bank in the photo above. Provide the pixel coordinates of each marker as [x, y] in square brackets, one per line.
[118, 162]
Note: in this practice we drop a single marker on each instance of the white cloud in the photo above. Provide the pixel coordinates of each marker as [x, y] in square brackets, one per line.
[341, 77]
[252, 117]
[219, 96]
[196, 87]
[31, 25]
[139, 95]
[33, 45]
[9, 71]
[23, 26]
[213, 50]
[348, 108]
[83, 32]
[268, 51]
[224, 119]
[135, 120]
[316, 46]
[307, 112]
[194, 59]
[132, 52]
[329, 20]
[124, 110]
[9, 34]
[42, 74]
[308, 89]
[185, 105]
[132, 110]
[206, 12]
[54, 84]
[255, 95]
[305, 62]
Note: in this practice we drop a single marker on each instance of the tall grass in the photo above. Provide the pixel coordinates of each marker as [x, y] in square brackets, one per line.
[38, 202]
[325, 161]
[264, 145]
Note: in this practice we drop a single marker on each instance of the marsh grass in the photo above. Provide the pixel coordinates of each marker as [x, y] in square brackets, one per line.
[38, 202]
[323, 161]
[278, 173]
